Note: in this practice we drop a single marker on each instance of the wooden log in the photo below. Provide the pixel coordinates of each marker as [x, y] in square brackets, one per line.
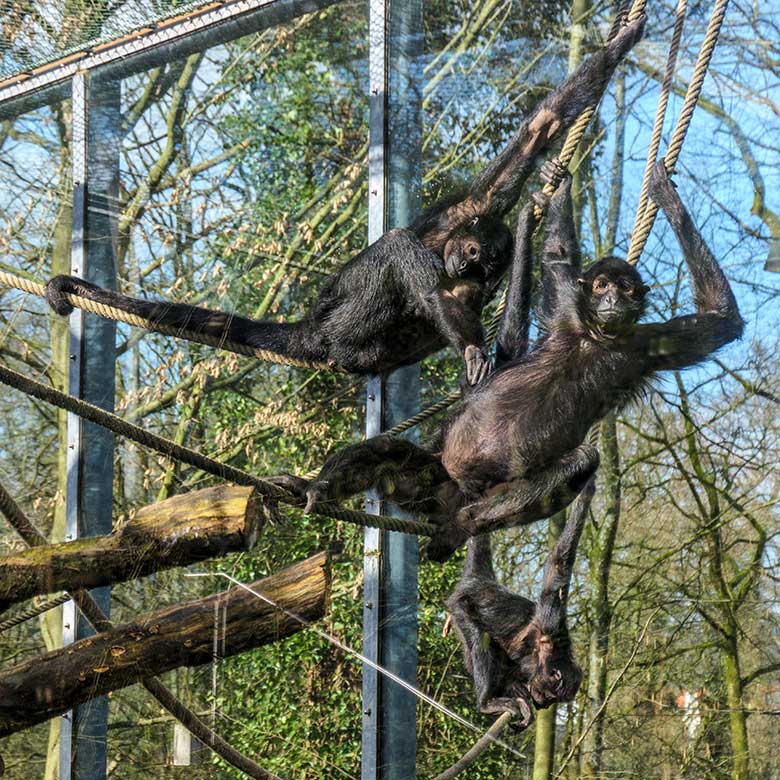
[182, 530]
[183, 635]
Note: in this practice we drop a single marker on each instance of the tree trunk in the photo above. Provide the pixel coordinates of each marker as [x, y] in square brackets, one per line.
[737, 716]
[544, 746]
[182, 530]
[182, 635]
[600, 564]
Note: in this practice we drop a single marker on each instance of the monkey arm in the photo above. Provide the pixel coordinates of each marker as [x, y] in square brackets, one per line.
[497, 188]
[561, 263]
[684, 341]
[556, 579]
[512, 340]
[461, 326]
[406, 473]
[519, 502]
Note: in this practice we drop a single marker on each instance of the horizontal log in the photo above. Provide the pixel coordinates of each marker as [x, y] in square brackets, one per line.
[184, 529]
[183, 635]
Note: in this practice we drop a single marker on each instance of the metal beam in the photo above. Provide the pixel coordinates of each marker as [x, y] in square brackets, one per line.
[89, 497]
[156, 44]
[390, 563]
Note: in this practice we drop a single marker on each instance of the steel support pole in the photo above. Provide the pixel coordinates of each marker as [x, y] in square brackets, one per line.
[89, 492]
[390, 564]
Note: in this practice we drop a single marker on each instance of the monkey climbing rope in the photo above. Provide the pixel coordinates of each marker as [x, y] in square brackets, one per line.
[573, 138]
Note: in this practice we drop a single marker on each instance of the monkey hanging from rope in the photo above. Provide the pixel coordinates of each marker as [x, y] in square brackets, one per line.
[518, 651]
[414, 290]
[514, 451]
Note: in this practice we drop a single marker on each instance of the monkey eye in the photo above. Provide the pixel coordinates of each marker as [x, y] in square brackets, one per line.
[626, 286]
[601, 283]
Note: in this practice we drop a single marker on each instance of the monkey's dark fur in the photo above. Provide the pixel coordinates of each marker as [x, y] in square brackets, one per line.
[518, 651]
[515, 448]
[413, 291]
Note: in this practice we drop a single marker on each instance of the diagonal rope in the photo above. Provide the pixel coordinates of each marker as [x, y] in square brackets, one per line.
[640, 235]
[169, 448]
[118, 315]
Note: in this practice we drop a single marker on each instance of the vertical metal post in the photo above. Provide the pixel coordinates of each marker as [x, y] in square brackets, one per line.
[372, 540]
[390, 564]
[89, 498]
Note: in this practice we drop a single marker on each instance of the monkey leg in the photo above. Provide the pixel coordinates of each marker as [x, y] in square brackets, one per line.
[404, 472]
[486, 662]
[518, 502]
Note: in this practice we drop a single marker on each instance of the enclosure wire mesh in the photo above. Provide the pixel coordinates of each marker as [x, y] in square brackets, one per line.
[37, 32]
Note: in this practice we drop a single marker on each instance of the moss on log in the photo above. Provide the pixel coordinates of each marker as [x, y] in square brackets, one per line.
[183, 635]
[182, 530]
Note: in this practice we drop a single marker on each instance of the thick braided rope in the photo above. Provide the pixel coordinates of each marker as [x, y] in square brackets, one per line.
[33, 612]
[577, 130]
[640, 235]
[185, 455]
[118, 315]
[100, 622]
[660, 114]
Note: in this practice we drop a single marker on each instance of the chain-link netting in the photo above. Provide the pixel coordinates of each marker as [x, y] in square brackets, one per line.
[33, 34]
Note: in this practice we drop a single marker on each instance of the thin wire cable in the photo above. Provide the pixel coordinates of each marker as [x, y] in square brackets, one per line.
[355, 654]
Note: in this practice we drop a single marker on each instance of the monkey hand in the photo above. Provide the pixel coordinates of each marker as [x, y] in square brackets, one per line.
[627, 37]
[317, 492]
[554, 172]
[56, 289]
[477, 364]
[660, 187]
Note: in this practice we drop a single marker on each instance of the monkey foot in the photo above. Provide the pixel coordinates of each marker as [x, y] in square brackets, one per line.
[295, 485]
[518, 707]
[445, 542]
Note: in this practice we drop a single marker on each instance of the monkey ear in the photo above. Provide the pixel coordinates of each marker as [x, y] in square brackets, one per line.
[582, 282]
[644, 289]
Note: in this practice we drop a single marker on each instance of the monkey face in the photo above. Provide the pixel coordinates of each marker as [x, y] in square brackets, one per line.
[547, 667]
[613, 293]
[479, 251]
[557, 678]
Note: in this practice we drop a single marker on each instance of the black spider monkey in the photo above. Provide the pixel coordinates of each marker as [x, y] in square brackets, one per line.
[514, 451]
[518, 651]
[412, 291]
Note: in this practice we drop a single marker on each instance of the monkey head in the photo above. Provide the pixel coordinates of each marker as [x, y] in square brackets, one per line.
[480, 250]
[544, 663]
[613, 295]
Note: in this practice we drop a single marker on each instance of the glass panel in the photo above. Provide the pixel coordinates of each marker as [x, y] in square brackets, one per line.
[35, 232]
[242, 187]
